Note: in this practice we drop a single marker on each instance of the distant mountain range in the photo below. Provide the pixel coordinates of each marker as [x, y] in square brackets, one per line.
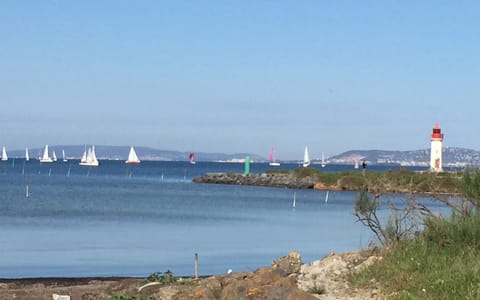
[452, 156]
[145, 153]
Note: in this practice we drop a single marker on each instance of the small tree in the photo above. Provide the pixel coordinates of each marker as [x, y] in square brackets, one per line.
[402, 223]
[366, 213]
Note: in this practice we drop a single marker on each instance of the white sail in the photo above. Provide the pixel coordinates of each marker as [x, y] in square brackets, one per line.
[4, 154]
[132, 157]
[94, 157]
[27, 156]
[63, 156]
[306, 158]
[89, 158]
[84, 157]
[323, 161]
[45, 157]
[54, 156]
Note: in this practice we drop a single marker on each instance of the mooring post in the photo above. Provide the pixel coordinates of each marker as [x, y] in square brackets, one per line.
[196, 265]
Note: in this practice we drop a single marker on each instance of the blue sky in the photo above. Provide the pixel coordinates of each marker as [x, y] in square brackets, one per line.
[240, 76]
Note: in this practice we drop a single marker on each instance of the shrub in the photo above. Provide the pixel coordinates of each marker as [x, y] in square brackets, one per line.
[163, 278]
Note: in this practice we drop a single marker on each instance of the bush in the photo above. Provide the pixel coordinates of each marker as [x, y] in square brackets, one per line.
[163, 278]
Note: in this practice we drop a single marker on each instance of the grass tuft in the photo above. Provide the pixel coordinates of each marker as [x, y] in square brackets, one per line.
[316, 290]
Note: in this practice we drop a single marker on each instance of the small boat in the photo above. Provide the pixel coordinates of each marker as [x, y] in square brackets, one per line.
[4, 154]
[323, 161]
[306, 158]
[273, 163]
[132, 157]
[355, 166]
[45, 158]
[191, 158]
[64, 157]
[27, 156]
[89, 158]
[54, 156]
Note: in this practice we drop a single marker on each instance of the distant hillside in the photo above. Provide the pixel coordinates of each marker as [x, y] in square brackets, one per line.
[145, 153]
[452, 156]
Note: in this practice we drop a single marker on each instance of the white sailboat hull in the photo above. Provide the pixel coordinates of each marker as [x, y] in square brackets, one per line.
[92, 164]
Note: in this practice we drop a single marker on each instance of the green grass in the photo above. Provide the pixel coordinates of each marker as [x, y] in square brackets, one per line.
[442, 262]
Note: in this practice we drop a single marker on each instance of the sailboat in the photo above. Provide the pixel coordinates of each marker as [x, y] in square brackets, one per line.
[306, 158]
[272, 163]
[191, 158]
[27, 156]
[323, 161]
[89, 158]
[4, 154]
[54, 156]
[45, 157]
[355, 165]
[132, 157]
[64, 156]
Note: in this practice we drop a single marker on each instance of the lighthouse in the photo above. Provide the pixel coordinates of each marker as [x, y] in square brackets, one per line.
[436, 149]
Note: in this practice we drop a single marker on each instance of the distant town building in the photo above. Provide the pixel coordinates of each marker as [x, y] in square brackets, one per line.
[436, 149]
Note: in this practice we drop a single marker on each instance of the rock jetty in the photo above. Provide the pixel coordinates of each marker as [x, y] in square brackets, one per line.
[287, 180]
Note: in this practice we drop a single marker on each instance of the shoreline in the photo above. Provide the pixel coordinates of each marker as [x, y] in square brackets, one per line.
[287, 276]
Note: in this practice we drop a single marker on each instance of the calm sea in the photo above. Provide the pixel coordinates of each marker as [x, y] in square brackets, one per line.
[124, 220]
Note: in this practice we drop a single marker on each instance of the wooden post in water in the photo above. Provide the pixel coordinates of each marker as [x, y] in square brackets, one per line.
[196, 266]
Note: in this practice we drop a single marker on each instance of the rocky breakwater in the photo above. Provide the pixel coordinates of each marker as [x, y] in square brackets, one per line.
[287, 180]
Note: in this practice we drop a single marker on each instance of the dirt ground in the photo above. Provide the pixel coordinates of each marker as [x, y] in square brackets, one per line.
[77, 288]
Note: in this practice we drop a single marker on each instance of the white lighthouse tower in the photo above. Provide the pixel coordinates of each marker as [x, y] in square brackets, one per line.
[436, 149]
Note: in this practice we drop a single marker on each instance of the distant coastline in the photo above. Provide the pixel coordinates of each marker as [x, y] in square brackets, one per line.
[453, 157]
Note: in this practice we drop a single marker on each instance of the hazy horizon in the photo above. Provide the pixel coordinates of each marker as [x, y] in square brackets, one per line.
[233, 77]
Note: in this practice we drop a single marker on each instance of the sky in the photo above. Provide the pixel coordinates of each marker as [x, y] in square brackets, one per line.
[240, 76]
